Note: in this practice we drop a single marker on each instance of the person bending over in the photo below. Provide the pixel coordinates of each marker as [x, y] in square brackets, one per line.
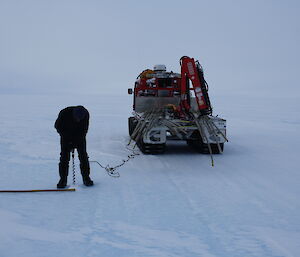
[72, 125]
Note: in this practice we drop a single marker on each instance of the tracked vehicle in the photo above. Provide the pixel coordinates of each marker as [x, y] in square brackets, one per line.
[175, 106]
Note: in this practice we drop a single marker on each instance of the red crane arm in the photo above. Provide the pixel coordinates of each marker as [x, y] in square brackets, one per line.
[189, 71]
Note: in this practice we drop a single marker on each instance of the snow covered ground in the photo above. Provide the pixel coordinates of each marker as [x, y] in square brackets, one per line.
[168, 205]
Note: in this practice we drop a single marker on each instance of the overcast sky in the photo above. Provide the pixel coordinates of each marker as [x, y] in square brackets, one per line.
[101, 46]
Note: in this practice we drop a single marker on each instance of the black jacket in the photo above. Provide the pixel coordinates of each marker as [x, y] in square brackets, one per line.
[68, 128]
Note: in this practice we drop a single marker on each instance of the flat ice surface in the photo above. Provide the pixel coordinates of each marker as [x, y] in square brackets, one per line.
[168, 205]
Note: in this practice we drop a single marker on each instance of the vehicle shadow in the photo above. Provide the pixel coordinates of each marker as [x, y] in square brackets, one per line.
[179, 147]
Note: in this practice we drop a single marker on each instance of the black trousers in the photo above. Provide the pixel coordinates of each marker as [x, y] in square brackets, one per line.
[66, 149]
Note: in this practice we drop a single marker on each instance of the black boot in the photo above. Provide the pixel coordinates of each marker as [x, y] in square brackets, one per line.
[62, 183]
[85, 171]
[87, 181]
[63, 173]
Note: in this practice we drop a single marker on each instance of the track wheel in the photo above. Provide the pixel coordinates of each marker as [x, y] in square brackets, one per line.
[132, 122]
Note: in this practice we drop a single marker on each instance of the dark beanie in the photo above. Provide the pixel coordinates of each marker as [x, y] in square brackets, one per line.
[79, 112]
